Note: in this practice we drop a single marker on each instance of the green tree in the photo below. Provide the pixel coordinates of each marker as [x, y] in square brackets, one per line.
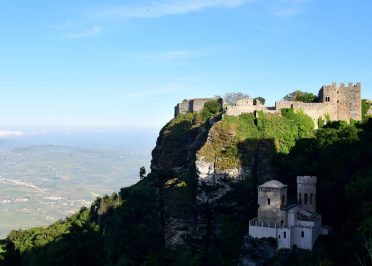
[261, 99]
[306, 97]
[142, 172]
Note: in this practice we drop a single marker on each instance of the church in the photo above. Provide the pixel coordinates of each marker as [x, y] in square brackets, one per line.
[291, 225]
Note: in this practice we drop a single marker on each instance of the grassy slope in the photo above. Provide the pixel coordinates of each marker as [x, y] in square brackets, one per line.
[233, 141]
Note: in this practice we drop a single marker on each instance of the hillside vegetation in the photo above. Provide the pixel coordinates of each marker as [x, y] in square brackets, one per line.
[160, 221]
[233, 141]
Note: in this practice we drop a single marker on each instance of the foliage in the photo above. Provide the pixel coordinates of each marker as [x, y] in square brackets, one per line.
[340, 156]
[211, 108]
[365, 107]
[306, 97]
[321, 122]
[232, 97]
[142, 172]
[233, 141]
[261, 99]
[133, 226]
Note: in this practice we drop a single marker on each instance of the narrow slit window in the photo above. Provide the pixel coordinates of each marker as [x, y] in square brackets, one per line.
[302, 234]
[311, 198]
[268, 201]
[305, 199]
[284, 234]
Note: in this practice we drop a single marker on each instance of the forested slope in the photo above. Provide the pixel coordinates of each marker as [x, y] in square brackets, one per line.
[162, 221]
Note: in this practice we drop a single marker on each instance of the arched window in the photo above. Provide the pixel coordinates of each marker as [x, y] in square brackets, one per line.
[283, 200]
[302, 234]
[311, 198]
[305, 198]
[268, 201]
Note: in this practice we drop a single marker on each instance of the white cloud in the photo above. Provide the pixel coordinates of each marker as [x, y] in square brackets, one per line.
[6, 134]
[85, 33]
[155, 9]
[289, 8]
[10, 134]
[287, 12]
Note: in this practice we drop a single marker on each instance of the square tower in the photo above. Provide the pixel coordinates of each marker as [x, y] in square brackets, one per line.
[272, 196]
[342, 102]
[306, 192]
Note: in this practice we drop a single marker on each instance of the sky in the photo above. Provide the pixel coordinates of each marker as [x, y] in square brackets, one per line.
[125, 64]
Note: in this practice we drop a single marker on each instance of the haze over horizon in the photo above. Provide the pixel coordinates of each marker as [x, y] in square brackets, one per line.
[117, 64]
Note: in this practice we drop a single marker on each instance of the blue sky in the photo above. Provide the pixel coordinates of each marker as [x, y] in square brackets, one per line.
[125, 64]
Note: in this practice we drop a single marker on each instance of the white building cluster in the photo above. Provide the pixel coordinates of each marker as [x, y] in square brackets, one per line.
[291, 225]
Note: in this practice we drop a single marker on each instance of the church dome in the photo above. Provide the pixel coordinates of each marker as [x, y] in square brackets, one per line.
[273, 184]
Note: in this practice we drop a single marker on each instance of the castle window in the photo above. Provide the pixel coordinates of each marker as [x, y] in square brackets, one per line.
[305, 198]
[281, 223]
[284, 234]
[311, 198]
[268, 201]
[302, 234]
[299, 198]
[279, 236]
[283, 200]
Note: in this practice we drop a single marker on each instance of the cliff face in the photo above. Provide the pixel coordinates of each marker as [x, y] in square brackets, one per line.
[243, 146]
[179, 141]
[232, 147]
[217, 158]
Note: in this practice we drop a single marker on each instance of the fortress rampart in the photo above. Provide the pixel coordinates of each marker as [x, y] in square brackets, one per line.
[192, 105]
[334, 103]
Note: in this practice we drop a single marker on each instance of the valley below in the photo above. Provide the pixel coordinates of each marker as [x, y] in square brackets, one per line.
[43, 183]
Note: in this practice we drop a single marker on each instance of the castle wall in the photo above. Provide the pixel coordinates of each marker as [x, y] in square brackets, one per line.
[284, 238]
[335, 102]
[349, 102]
[314, 110]
[261, 231]
[302, 237]
[192, 105]
[182, 108]
[244, 106]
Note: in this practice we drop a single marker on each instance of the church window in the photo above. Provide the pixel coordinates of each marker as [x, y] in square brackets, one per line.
[305, 198]
[302, 234]
[284, 234]
[311, 198]
[268, 201]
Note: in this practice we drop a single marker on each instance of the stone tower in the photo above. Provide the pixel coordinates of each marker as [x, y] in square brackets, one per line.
[272, 197]
[342, 102]
[306, 192]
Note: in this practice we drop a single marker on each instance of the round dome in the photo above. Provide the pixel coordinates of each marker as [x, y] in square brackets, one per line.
[273, 184]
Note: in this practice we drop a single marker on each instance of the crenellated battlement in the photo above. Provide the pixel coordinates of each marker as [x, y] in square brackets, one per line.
[335, 102]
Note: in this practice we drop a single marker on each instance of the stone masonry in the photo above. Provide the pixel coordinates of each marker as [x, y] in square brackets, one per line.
[192, 105]
[334, 103]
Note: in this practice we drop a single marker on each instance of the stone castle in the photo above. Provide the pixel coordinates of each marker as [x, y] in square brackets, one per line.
[334, 103]
[291, 225]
